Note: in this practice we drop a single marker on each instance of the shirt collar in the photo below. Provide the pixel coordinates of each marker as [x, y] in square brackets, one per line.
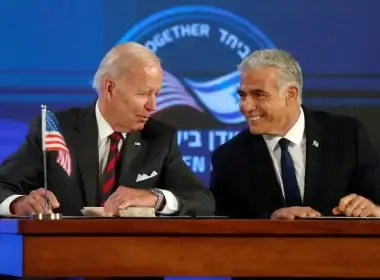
[294, 135]
[104, 128]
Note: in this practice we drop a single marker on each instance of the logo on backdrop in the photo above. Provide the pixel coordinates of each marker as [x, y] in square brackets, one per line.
[200, 47]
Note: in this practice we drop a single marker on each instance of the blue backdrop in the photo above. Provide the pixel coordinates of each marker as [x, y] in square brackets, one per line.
[51, 49]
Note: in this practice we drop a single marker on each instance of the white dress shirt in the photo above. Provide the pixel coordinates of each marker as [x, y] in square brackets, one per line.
[297, 149]
[104, 130]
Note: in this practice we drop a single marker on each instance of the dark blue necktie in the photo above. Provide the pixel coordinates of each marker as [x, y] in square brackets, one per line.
[288, 174]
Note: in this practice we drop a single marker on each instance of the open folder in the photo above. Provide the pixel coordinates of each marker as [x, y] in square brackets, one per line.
[128, 212]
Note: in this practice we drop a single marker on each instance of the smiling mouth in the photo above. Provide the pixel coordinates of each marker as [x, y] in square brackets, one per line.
[255, 118]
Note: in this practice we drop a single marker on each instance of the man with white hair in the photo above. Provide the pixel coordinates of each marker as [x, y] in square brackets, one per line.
[120, 156]
[291, 161]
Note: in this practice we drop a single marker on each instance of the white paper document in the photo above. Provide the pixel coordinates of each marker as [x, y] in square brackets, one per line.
[145, 212]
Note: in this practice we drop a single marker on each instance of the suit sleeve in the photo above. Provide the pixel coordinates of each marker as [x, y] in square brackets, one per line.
[226, 190]
[219, 186]
[192, 195]
[366, 175]
[22, 171]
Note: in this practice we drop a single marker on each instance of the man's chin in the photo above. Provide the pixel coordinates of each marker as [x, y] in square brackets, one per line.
[256, 130]
[140, 126]
[137, 127]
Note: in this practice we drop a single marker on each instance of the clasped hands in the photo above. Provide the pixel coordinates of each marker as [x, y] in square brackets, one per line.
[352, 205]
[122, 198]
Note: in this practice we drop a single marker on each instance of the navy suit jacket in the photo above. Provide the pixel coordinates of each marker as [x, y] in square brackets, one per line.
[244, 181]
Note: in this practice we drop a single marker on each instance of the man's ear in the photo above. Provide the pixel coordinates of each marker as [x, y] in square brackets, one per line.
[109, 87]
[291, 94]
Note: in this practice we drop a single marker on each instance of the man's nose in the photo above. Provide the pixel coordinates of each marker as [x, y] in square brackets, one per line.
[151, 103]
[248, 105]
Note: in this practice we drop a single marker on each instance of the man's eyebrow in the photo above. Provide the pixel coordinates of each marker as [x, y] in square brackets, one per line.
[255, 90]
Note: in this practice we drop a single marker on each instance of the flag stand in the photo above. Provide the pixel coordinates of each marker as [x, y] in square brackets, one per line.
[45, 215]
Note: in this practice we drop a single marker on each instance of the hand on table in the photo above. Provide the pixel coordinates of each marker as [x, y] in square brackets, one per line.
[290, 213]
[354, 205]
[124, 197]
[34, 203]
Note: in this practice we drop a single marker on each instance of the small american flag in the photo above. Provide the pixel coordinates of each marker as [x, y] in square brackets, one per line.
[54, 141]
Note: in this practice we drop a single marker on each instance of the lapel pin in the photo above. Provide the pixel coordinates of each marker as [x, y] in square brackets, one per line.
[137, 144]
[315, 144]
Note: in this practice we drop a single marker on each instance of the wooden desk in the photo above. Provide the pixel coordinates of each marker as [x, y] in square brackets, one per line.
[190, 247]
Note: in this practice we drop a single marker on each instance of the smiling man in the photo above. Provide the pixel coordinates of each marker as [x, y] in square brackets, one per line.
[291, 161]
[120, 156]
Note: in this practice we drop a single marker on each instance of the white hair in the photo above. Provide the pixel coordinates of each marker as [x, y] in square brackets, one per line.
[290, 72]
[121, 58]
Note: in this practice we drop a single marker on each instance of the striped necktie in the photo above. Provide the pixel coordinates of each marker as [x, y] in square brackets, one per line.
[110, 173]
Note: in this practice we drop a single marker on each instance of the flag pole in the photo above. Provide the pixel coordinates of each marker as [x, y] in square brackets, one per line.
[43, 136]
[45, 215]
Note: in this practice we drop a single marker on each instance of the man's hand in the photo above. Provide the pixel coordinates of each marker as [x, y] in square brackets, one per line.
[124, 197]
[34, 203]
[354, 205]
[290, 213]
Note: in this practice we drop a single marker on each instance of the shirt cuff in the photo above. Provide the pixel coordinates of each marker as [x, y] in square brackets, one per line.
[171, 205]
[5, 205]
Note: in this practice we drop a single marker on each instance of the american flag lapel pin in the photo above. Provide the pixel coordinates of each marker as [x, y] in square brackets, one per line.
[315, 144]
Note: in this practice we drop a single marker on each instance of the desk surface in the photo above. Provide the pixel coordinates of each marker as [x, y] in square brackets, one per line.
[191, 226]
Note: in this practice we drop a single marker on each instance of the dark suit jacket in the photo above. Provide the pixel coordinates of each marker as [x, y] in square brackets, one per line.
[22, 172]
[244, 182]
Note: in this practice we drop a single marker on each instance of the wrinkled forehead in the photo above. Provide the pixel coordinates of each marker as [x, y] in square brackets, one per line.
[142, 77]
[261, 78]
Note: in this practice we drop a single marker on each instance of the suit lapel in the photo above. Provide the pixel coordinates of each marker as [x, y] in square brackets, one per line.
[261, 161]
[134, 146]
[85, 146]
[313, 156]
